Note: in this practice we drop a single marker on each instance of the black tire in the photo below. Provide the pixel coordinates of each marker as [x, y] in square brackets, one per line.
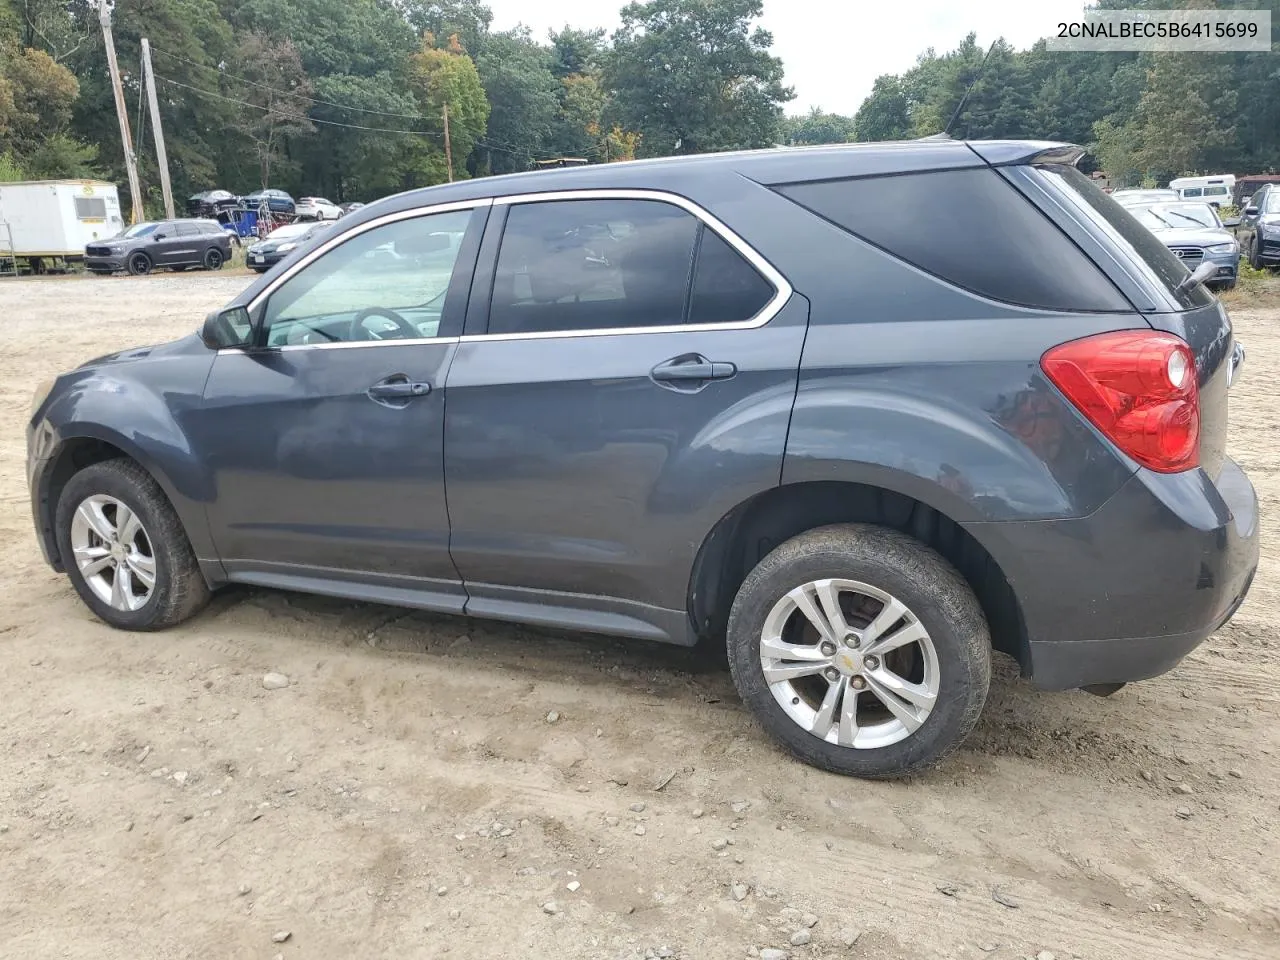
[213, 259]
[140, 264]
[180, 589]
[1228, 285]
[920, 578]
[1255, 260]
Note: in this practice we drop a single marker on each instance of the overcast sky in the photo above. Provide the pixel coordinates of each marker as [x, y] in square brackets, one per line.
[834, 49]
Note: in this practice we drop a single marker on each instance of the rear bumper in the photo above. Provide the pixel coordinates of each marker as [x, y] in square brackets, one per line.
[1126, 593]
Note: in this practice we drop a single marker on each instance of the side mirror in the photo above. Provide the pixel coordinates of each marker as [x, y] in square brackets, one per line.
[1206, 271]
[231, 327]
[1250, 211]
[158, 236]
[1231, 221]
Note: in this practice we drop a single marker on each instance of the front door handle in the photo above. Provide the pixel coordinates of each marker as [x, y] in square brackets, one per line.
[397, 390]
[692, 366]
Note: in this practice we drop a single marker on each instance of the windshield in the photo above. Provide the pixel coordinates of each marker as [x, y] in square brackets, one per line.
[139, 229]
[1120, 225]
[290, 232]
[1176, 216]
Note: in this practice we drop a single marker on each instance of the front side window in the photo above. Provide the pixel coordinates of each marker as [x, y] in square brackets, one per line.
[388, 283]
[1272, 202]
[1193, 192]
[576, 265]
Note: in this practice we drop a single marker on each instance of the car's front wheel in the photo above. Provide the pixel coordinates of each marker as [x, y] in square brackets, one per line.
[139, 264]
[860, 650]
[124, 548]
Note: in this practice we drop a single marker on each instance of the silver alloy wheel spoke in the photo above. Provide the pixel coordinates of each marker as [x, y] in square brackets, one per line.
[864, 660]
[127, 524]
[142, 567]
[92, 560]
[848, 732]
[821, 725]
[805, 599]
[91, 512]
[908, 633]
[781, 673]
[122, 588]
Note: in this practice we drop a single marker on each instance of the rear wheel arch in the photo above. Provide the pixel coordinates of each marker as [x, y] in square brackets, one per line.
[749, 532]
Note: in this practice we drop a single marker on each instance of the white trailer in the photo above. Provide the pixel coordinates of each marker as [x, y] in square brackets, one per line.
[54, 219]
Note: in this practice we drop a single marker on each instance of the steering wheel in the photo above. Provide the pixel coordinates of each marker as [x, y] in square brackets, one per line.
[404, 329]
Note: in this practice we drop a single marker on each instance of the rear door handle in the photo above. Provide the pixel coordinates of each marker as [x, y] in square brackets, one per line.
[692, 366]
[398, 390]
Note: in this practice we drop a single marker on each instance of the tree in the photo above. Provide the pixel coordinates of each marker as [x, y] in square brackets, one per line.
[447, 76]
[517, 78]
[1186, 115]
[468, 20]
[576, 51]
[885, 115]
[277, 95]
[818, 127]
[693, 76]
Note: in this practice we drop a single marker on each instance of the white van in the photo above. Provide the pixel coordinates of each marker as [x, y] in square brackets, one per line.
[1215, 190]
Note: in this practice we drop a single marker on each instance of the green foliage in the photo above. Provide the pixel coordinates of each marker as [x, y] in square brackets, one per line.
[447, 76]
[522, 92]
[62, 157]
[10, 169]
[694, 75]
[818, 127]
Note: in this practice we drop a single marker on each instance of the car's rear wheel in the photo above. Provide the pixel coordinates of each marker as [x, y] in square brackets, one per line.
[139, 264]
[860, 650]
[213, 259]
[125, 550]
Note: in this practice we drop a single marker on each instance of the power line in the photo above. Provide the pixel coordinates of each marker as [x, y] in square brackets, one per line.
[286, 93]
[487, 144]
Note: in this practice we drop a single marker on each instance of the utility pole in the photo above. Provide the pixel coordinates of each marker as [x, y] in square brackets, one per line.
[149, 78]
[130, 161]
[448, 152]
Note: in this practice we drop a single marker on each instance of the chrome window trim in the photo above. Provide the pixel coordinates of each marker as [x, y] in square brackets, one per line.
[782, 290]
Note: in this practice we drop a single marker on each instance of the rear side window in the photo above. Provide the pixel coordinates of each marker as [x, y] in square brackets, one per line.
[576, 265]
[188, 230]
[972, 229]
[726, 289]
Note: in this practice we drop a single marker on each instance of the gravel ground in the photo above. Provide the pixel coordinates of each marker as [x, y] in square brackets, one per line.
[426, 785]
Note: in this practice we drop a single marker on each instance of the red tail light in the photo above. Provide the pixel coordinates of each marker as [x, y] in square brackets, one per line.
[1139, 388]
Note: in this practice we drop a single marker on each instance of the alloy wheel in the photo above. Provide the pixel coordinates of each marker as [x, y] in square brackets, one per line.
[849, 663]
[113, 552]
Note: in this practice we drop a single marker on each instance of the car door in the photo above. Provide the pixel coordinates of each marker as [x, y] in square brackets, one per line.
[325, 438]
[187, 244]
[628, 381]
[164, 244]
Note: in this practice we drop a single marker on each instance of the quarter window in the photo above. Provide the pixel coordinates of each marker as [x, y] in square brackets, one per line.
[388, 283]
[726, 289]
[969, 227]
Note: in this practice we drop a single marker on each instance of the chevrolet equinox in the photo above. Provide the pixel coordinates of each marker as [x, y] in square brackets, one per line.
[868, 412]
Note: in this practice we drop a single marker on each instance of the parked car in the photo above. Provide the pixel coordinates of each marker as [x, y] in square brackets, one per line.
[1215, 190]
[317, 208]
[738, 396]
[176, 244]
[350, 207]
[1195, 235]
[1133, 198]
[277, 201]
[279, 243]
[210, 203]
[1260, 227]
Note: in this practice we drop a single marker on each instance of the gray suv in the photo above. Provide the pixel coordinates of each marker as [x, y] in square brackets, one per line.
[176, 244]
[755, 398]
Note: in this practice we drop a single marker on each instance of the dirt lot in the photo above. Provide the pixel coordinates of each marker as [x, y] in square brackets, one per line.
[410, 794]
